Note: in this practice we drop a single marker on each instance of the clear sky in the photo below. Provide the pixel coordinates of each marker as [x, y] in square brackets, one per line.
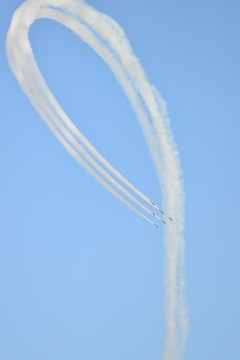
[82, 275]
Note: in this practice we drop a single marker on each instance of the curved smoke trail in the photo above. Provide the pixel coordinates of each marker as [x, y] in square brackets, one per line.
[108, 40]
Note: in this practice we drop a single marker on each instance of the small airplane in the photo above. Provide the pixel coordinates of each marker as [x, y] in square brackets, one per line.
[170, 218]
[153, 203]
[156, 225]
[154, 214]
[163, 221]
[162, 211]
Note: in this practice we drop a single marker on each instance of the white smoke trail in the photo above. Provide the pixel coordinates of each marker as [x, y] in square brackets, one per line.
[21, 58]
[108, 40]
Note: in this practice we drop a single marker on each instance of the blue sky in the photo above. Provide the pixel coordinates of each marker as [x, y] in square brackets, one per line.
[81, 275]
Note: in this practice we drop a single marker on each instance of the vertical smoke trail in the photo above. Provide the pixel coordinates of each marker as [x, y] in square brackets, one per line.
[108, 40]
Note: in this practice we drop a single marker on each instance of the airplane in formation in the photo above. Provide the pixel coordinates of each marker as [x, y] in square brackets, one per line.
[154, 214]
[155, 205]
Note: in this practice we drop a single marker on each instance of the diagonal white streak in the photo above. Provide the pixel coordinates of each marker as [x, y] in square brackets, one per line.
[108, 40]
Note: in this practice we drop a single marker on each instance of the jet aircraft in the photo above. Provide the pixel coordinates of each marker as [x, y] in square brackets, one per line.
[153, 203]
[163, 221]
[154, 214]
[156, 225]
[170, 218]
[162, 211]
